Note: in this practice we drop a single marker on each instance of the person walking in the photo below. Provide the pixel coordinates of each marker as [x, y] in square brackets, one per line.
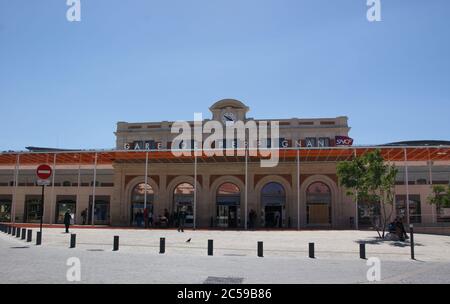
[67, 219]
[181, 219]
[84, 215]
[252, 218]
[277, 219]
[167, 216]
[150, 219]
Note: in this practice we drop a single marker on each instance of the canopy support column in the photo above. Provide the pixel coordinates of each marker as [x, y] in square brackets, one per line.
[93, 190]
[246, 190]
[298, 189]
[146, 180]
[53, 199]
[78, 188]
[16, 182]
[430, 172]
[195, 189]
[356, 202]
[407, 187]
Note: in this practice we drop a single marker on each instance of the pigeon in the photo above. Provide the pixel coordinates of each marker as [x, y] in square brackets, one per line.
[188, 241]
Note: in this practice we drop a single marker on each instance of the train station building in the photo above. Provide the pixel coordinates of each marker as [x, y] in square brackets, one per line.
[220, 191]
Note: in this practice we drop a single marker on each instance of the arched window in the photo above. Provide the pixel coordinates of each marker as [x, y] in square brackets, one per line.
[228, 189]
[138, 193]
[273, 193]
[318, 204]
[184, 189]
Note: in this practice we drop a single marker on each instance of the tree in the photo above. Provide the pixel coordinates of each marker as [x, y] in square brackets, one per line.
[368, 178]
[440, 196]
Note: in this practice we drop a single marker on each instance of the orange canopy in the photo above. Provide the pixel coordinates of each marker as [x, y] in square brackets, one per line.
[397, 153]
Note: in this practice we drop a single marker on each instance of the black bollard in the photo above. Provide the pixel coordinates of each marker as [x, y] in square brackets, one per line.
[9, 230]
[24, 234]
[116, 243]
[362, 251]
[29, 235]
[13, 231]
[260, 249]
[162, 245]
[73, 239]
[311, 251]
[18, 232]
[210, 247]
[38, 238]
[411, 236]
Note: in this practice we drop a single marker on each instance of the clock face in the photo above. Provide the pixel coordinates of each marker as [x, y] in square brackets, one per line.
[228, 117]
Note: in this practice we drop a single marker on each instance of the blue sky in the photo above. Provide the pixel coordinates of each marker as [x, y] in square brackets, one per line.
[66, 84]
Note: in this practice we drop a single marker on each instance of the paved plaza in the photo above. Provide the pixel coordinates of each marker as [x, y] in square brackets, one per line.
[235, 257]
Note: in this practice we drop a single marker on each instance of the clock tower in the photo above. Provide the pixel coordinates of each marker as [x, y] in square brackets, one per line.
[228, 111]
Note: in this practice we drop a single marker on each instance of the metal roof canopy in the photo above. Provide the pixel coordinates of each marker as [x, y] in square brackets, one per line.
[329, 154]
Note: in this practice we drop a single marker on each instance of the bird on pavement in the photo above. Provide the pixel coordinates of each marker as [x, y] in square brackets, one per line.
[188, 241]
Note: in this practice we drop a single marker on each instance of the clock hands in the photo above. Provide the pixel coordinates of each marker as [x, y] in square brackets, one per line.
[228, 117]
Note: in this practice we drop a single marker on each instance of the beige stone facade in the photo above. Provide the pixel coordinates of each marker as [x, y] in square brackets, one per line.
[289, 195]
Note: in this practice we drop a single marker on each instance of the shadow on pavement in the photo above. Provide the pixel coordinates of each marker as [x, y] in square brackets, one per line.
[379, 241]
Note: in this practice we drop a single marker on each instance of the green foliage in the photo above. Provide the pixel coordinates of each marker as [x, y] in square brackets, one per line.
[368, 178]
[440, 196]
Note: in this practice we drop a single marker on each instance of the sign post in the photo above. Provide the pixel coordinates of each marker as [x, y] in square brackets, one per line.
[43, 172]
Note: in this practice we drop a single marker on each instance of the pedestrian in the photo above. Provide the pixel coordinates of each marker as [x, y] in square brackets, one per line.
[150, 219]
[67, 219]
[252, 216]
[84, 215]
[139, 218]
[277, 219]
[400, 229]
[181, 219]
[167, 216]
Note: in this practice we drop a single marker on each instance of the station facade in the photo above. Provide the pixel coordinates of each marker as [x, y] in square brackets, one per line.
[229, 192]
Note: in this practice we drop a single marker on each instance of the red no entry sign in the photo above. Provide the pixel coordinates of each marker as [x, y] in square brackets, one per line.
[44, 171]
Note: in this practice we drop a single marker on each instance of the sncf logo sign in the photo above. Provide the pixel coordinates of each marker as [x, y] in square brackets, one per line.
[344, 141]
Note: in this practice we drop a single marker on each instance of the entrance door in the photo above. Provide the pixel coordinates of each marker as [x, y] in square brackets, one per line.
[227, 216]
[62, 207]
[32, 211]
[101, 213]
[273, 216]
[5, 211]
[137, 213]
[189, 222]
[319, 214]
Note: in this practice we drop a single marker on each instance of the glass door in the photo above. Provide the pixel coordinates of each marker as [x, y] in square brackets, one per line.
[5, 211]
[62, 207]
[101, 213]
[32, 211]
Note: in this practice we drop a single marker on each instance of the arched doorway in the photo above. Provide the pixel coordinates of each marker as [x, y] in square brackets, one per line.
[318, 204]
[183, 197]
[228, 201]
[273, 201]
[137, 203]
